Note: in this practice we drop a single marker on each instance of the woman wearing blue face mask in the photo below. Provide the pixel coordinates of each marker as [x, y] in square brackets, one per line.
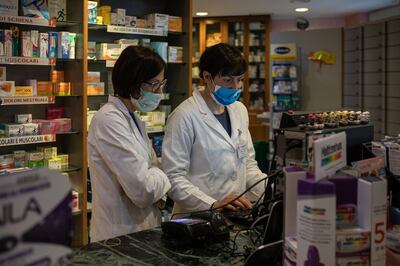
[208, 153]
[127, 183]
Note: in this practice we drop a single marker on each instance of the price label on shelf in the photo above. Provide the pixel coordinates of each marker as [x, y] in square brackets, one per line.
[11, 60]
[27, 21]
[27, 140]
[27, 100]
[132, 30]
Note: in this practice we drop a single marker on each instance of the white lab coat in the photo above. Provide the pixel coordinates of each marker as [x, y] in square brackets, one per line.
[202, 161]
[127, 183]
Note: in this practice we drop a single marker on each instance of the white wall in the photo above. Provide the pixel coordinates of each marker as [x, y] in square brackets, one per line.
[321, 86]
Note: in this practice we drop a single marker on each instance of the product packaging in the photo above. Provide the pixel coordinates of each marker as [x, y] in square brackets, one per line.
[63, 125]
[104, 11]
[26, 44]
[33, 84]
[130, 21]
[63, 46]
[75, 201]
[41, 231]
[58, 9]
[175, 54]
[54, 112]
[161, 48]
[290, 250]
[95, 88]
[92, 12]
[23, 91]
[7, 161]
[3, 73]
[316, 222]
[64, 158]
[15, 33]
[19, 159]
[44, 88]
[53, 41]
[35, 159]
[121, 13]
[362, 260]
[72, 45]
[351, 241]
[8, 45]
[141, 23]
[46, 126]
[57, 76]
[23, 118]
[43, 45]
[372, 214]
[62, 89]
[93, 76]
[1, 42]
[35, 8]
[9, 7]
[108, 51]
[35, 43]
[31, 129]
[7, 88]
[48, 152]
[53, 163]
[174, 24]
[158, 21]
[92, 50]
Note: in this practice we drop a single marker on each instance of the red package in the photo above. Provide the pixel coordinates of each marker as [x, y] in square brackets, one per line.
[54, 112]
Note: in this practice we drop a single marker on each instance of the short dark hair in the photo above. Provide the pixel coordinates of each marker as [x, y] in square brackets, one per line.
[222, 59]
[135, 65]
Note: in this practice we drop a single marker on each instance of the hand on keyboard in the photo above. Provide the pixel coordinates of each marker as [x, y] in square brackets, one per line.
[229, 203]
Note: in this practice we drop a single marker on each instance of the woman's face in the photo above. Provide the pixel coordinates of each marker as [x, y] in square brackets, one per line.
[155, 84]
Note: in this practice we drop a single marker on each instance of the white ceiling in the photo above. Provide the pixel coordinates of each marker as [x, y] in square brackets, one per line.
[284, 9]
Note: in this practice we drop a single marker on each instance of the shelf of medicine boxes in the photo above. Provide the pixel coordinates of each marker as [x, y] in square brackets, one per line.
[22, 20]
[128, 30]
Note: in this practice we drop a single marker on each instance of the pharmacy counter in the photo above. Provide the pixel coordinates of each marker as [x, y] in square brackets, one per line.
[151, 248]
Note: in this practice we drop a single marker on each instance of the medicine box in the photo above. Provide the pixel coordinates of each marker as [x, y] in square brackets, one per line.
[54, 112]
[63, 46]
[23, 118]
[95, 88]
[33, 84]
[7, 161]
[53, 163]
[48, 152]
[13, 130]
[19, 158]
[35, 159]
[45, 126]
[31, 129]
[8, 45]
[64, 158]
[26, 44]
[9, 7]
[63, 125]
[3, 73]
[93, 76]
[23, 91]
[92, 12]
[53, 42]
[158, 21]
[44, 88]
[43, 45]
[175, 54]
[62, 88]
[7, 88]
[57, 75]
[174, 24]
[35, 43]
[108, 51]
[121, 14]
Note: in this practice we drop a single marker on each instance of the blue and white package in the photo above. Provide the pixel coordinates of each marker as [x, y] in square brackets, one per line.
[35, 9]
[36, 218]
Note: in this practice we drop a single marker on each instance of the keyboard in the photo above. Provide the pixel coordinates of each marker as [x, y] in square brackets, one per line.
[241, 217]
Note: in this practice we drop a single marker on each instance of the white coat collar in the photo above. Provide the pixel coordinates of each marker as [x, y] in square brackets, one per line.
[209, 118]
[142, 139]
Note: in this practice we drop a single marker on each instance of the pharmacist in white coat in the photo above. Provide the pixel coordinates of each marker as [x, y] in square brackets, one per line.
[208, 152]
[127, 184]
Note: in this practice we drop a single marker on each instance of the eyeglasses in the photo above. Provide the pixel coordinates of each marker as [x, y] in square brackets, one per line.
[156, 86]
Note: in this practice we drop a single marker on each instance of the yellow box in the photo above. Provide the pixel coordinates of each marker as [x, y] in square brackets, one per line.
[48, 152]
[57, 75]
[175, 24]
[23, 91]
[53, 163]
[44, 88]
[64, 161]
[95, 88]
[62, 89]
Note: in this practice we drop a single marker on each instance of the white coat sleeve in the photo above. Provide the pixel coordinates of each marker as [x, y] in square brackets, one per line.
[177, 145]
[142, 183]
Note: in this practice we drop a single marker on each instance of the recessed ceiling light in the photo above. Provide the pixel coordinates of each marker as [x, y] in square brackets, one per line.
[202, 14]
[301, 9]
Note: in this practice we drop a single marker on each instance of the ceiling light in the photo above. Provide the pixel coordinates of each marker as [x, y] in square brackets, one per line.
[301, 9]
[202, 14]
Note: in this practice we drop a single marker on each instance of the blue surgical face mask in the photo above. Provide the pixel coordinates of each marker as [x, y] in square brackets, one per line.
[225, 96]
[148, 101]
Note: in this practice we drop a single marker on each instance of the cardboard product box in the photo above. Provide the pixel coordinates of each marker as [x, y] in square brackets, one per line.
[175, 54]
[91, 50]
[23, 91]
[174, 24]
[9, 7]
[64, 158]
[1, 42]
[48, 152]
[93, 76]
[92, 12]
[7, 161]
[44, 88]
[19, 158]
[3, 73]
[158, 21]
[43, 45]
[130, 21]
[33, 84]
[95, 88]
[53, 163]
[58, 9]
[63, 45]
[75, 201]
[141, 23]
[72, 45]
[352, 240]
[47, 193]
[108, 51]
[54, 112]
[35, 159]
[161, 48]
[53, 42]
[31, 129]
[8, 45]
[46, 126]
[62, 88]
[57, 76]
[316, 222]
[35, 43]
[63, 125]
[26, 44]
[372, 214]
[7, 88]
[121, 14]
[36, 9]
[23, 118]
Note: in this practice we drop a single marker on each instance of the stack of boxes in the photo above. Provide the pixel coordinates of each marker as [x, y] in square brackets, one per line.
[94, 86]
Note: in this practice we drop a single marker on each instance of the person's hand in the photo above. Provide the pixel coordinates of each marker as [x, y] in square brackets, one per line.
[242, 203]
